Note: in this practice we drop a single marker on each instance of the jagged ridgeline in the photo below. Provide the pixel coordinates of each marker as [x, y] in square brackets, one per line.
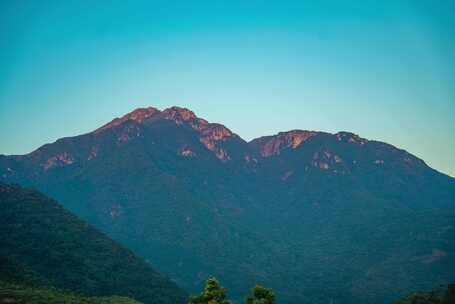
[42, 246]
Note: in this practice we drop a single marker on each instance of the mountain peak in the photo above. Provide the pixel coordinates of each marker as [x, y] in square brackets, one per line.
[295, 137]
[183, 115]
[179, 114]
[211, 135]
[350, 137]
[139, 115]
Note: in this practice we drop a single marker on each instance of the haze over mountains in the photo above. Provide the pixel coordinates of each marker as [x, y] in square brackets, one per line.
[319, 217]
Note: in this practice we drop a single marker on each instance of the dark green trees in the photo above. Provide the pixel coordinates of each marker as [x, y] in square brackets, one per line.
[213, 294]
[260, 295]
[441, 295]
[43, 245]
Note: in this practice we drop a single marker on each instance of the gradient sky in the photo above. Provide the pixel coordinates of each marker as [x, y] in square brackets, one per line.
[382, 69]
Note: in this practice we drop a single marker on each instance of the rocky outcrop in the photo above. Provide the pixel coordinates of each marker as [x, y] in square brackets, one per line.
[273, 145]
[138, 115]
[211, 135]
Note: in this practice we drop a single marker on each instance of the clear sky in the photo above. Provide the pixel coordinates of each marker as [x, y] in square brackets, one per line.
[382, 69]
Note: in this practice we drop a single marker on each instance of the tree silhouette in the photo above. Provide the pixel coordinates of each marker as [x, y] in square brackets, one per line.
[213, 294]
[260, 295]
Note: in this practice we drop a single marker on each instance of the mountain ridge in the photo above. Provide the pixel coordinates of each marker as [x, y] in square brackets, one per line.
[44, 245]
[287, 211]
[210, 135]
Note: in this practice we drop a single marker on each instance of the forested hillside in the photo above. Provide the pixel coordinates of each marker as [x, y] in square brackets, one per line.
[441, 295]
[43, 245]
[19, 294]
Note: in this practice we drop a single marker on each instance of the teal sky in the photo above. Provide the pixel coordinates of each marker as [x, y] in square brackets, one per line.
[382, 69]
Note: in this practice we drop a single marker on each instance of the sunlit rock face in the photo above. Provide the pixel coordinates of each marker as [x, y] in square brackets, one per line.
[187, 152]
[58, 160]
[179, 115]
[138, 115]
[211, 135]
[273, 145]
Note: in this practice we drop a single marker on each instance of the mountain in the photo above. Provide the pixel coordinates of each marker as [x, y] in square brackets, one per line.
[445, 295]
[318, 217]
[15, 294]
[43, 245]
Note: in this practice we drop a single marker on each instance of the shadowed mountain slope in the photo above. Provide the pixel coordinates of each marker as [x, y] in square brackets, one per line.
[42, 244]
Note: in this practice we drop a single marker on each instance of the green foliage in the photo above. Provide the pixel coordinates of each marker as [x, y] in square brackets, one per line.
[436, 296]
[261, 295]
[11, 293]
[213, 294]
[42, 244]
